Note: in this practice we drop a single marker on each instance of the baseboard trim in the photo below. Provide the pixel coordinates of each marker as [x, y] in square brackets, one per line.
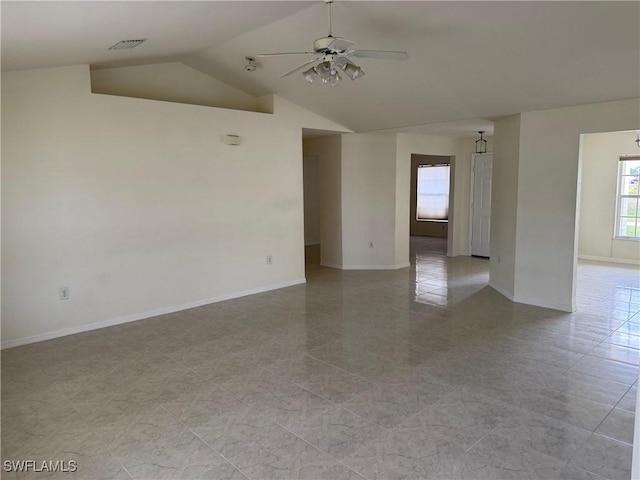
[458, 254]
[331, 265]
[563, 307]
[533, 301]
[148, 314]
[609, 260]
[502, 291]
[375, 267]
[367, 267]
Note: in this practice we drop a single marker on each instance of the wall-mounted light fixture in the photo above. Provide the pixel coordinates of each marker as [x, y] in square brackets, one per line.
[481, 144]
[638, 139]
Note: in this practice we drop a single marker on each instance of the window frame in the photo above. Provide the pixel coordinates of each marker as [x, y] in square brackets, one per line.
[620, 196]
[432, 165]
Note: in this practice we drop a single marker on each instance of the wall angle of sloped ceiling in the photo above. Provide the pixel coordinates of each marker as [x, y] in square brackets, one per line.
[171, 81]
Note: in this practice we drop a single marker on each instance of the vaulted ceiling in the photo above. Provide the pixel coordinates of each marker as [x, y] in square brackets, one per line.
[468, 61]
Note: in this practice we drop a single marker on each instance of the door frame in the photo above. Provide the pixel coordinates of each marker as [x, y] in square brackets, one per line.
[473, 178]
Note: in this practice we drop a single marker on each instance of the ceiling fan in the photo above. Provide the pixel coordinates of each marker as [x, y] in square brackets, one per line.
[331, 57]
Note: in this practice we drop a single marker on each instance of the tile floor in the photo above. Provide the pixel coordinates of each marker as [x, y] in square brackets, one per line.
[416, 373]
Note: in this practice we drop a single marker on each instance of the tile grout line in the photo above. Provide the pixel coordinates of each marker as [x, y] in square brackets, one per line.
[276, 423]
[265, 416]
[106, 447]
[341, 404]
[322, 451]
[300, 386]
[204, 441]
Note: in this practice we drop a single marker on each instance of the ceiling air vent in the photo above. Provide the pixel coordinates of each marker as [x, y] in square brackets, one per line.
[126, 44]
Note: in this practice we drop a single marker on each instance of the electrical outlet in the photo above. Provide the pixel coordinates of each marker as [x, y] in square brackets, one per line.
[64, 293]
[269, 259]
[370, 244]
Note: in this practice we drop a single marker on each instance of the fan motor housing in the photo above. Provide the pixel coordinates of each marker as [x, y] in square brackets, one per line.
[324, 44]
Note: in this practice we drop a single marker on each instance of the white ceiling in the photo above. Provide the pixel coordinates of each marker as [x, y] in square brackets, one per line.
[468, 61]
[56, 33]
[456, 128]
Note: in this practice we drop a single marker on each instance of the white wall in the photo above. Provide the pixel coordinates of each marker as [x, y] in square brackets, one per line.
[600, 158]
[137, 205]
[369, 201]
[402, 200]
[547, 198]
[172, 82]
[311, 201]
[504, 202]
[359, 201]
[328, 150]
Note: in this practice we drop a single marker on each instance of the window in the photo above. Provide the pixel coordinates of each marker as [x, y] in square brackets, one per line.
[433, 193]
[627, 218]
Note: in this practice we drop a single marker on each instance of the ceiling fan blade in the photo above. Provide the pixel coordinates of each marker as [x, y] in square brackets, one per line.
[381, 54]
[283, 54]
[299, 67]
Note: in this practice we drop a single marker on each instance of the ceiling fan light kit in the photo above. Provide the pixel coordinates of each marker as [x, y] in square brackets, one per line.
[329, 71]
[352, 70]
[330, 58]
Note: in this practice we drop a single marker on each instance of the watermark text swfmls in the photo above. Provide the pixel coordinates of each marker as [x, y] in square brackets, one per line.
[57, 466]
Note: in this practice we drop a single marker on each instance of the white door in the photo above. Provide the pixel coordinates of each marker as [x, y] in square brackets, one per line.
[481, 205]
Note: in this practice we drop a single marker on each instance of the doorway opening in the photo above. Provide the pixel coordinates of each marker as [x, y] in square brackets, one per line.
[311, 187]
[607, 276]
[480, 208]
[430, 199]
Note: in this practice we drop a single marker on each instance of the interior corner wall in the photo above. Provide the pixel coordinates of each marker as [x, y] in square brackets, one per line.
[545, 200]
[547, 240]
[359, 189]
[402, 214]
[369, 201]
[137, 205]
[600, 159]
[328, 151]
[311, 200]
[504, 200]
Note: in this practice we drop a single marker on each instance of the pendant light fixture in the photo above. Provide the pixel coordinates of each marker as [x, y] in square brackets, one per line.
[481, 144]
